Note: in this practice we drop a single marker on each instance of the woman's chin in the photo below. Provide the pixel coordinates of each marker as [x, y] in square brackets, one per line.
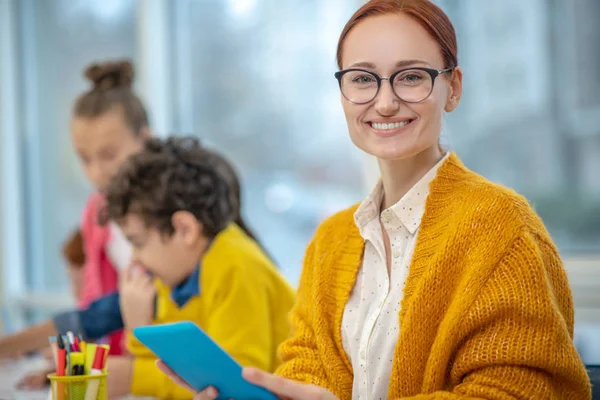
[389, 153]
[385, 149]
[399, 149]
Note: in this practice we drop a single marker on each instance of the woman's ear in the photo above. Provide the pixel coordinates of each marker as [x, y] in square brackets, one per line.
[187, 227]
[455, 92]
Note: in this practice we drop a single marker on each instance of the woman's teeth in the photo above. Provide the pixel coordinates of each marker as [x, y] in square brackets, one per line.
[394, 125]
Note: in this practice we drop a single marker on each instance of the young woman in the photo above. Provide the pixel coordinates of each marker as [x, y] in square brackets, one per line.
[109, 123]
[440, 284]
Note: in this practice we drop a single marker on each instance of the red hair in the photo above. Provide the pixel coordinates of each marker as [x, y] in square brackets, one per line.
[427, 14]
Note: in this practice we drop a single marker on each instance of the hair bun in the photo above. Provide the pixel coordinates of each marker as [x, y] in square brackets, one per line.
[110, 75]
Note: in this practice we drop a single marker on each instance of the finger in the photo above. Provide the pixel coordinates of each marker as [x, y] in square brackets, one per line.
[142, 279]
[33, 381]
[209, 393]
[147, 281]
[135, 273]
[174, 377]
[127, 272]
[138, 285]
[23, 382]
[280, 386]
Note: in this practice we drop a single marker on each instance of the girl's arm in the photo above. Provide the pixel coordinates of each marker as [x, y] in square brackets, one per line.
[75, 273]
[31, 339]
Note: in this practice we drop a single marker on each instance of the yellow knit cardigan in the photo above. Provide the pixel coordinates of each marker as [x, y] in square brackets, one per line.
[487, 311]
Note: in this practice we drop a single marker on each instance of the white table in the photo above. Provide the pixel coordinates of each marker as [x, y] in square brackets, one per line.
[10, 373]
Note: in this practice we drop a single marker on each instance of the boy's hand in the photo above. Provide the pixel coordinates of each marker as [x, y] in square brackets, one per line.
[137, 293]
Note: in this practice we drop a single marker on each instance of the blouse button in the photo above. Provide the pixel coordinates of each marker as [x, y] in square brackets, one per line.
[386, 216]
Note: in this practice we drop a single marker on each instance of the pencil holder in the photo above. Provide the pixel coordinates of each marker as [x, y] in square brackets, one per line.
[84, 387]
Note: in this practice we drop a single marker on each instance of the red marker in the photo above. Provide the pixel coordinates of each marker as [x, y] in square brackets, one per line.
[94, 384]
[61, 355]
[75, 346]
[61, 361]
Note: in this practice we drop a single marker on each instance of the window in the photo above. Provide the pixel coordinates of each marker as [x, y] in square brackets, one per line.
[261, 87]
[586, 15]
[513, 124]
[57, 39]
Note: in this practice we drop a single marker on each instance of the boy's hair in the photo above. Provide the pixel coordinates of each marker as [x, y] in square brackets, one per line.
[176, 174]
[227, 170]
[73, 249]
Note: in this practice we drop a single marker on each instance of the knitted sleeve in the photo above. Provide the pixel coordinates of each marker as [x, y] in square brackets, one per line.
[301, 361]
[517, 335]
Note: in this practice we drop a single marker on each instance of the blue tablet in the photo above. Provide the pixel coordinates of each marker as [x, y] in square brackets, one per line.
[198, 360]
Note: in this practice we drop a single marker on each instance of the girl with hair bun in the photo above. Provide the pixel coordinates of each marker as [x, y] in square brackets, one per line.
[109, 123]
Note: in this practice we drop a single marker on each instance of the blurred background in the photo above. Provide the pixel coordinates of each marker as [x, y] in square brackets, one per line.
[254, 79]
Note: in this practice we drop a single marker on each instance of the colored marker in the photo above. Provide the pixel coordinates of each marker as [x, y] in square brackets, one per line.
[71, 337]
[107, 348]
[82, 344]
[94, 384]
[76, 343]
[77, 363]
[61, 359]
[90, 352]
[67, 344]
[77, 388]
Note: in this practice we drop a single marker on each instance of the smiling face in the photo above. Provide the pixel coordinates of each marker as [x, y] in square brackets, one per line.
[388, 127]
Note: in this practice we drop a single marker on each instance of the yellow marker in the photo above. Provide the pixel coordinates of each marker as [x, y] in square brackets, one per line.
[82, 346]
[90, 351]
[77, 369]
[77, 360]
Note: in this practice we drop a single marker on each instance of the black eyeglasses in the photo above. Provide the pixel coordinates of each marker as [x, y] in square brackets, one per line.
[412, 85]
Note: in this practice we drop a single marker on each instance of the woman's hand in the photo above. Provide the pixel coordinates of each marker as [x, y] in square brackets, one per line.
[286, 388]
[283, 388]
[174, 377]
[137, 293]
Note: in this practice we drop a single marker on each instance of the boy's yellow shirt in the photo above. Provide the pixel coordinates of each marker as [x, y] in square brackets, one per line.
[242, 305]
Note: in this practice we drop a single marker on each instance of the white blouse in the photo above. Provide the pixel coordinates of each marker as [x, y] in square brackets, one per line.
[370, 324]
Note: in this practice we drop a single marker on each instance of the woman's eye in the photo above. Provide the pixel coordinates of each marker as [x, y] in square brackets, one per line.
[411, 78]
[363, 79]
